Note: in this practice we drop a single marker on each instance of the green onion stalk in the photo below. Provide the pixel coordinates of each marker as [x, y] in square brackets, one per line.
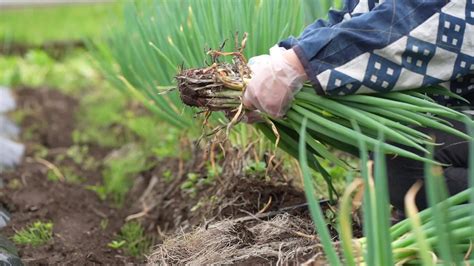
[396, 115]
[404, 242]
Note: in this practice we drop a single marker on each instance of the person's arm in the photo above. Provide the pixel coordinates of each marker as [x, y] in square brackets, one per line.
[400, 44]
[351, 8]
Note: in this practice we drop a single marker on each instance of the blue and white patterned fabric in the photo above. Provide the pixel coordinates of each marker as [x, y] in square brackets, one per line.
[380, 46]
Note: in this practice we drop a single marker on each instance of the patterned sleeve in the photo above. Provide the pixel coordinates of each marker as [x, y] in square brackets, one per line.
[397, 45]
[351, 8]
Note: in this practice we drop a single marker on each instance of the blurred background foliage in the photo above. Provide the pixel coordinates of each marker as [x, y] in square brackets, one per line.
[39, 25]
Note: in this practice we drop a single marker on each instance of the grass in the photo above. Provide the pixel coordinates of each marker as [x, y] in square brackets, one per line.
[36, 26]
[132, 240]
[71, 75]
[37, 234]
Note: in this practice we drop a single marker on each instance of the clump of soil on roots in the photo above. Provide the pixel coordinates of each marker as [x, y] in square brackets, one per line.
[278, 240]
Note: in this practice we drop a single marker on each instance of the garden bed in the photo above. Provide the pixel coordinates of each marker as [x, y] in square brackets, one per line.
[76, 212]
[85, 225]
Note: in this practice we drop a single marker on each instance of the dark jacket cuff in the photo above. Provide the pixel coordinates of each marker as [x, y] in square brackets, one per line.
[309, 70]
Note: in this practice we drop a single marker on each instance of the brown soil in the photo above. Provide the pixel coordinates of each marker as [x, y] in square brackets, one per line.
[76, 212]
[50, 116]
[56, 49]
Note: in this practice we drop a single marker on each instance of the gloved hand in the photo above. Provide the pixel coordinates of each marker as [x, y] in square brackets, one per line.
[276, 78]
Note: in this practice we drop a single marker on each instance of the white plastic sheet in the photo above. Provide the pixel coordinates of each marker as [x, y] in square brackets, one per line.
[8, 129]
[11, 153]
[7, 102]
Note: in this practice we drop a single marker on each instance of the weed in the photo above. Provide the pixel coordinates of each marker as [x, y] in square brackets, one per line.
[36, 68]
[205, 201]
[255, 168]
[100, 121]
[212, 174]
[40, 151]
[190, 184]
[18, 116]
[77, 153]
[118, 172]
[116, 244]
[104, 223]
[132, 240]
[70, 176]
[119, 168]
[156, 137]
[39, 233]
[99, 190]
[52, 176]
[14, 184]
[167, 175]
[194, 181]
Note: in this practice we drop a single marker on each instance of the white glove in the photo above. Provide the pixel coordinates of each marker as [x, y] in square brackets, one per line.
[276, 78]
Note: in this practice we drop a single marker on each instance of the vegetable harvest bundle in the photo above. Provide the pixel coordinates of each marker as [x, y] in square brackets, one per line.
[339, 122]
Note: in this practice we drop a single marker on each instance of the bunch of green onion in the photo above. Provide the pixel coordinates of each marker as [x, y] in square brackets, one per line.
[441, 234]
[331, 119]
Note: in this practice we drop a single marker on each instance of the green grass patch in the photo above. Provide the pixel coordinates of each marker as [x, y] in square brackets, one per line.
[71, 75]
[132, 240]
[38, 25]
[119, 168]
[37, 234]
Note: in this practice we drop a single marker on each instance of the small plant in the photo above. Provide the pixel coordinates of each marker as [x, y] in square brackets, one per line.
[194, 180]
[104, 223]
[52, 176]
[118, 171]
[69, 175]
[190, 184]
[99, 190]
[168, 175]
[37, 234]
[256, 168]
[77, 153]
[212, 173]
[40, 151]
[14, 184]
[132, 240]
[145, 128]
[101, 121]
[116, 244]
